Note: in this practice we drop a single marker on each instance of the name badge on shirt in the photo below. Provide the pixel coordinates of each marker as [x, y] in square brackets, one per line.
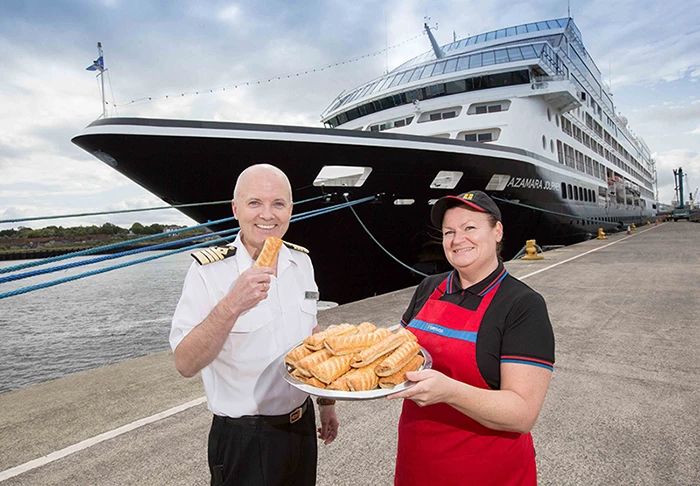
[311, 295]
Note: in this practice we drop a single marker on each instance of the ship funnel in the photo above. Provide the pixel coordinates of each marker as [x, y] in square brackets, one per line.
[438, 52]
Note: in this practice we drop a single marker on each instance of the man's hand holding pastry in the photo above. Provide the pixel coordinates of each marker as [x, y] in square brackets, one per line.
[249, 289]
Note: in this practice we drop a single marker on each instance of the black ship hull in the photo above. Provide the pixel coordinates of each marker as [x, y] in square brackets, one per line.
[192, 161]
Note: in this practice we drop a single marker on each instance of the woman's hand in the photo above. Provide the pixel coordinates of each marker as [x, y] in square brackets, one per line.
[328, 430]
[431, 387]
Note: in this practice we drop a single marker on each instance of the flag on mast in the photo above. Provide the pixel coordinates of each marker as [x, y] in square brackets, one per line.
[97, 65]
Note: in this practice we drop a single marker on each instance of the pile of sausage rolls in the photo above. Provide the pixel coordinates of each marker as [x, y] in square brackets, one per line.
[355, 358]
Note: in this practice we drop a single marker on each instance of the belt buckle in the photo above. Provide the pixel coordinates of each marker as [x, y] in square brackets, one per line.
[295, 415]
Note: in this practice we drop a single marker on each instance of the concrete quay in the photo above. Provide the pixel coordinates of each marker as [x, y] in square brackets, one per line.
[622, 409]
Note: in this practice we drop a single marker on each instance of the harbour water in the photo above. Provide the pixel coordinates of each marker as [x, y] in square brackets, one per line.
[87, 323]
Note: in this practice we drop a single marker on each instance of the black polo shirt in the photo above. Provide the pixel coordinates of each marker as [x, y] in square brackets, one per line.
[515, 328]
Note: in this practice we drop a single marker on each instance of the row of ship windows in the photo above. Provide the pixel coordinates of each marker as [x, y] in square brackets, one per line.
[577, 193]
[576, 160]
[488, 36]
[461, 63]
[445, 114]
[575, 132]
[609, 137]
[433, 91]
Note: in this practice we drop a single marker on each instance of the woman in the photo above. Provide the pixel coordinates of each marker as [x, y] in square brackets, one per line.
[468, 419]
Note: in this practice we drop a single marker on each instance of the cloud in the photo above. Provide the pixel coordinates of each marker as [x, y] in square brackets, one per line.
[180, 47]
[671, 113]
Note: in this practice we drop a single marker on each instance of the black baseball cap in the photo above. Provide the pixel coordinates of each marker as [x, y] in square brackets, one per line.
[476, 200]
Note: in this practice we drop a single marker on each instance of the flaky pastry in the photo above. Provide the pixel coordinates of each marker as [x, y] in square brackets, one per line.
[363, 379]
[332, 368]
[365, 327]
[341, 384]
[311, 360]
[269, 252]
[313, 381]
[398, 359]
[339, 345]
[366, 356]
[296, 354]
[315, 341]
[400, 376]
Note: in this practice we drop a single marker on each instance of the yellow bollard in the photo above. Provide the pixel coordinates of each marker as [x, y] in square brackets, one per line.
[633, 227]
[531, 251]
[601, 234]
[648, 223]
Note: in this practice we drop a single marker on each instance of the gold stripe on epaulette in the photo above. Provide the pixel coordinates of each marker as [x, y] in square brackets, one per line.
[214, 254]
[292, 246]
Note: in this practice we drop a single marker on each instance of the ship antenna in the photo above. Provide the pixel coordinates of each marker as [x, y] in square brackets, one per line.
[438, 52]
[568, 8]
[99, 66]
[386, 45]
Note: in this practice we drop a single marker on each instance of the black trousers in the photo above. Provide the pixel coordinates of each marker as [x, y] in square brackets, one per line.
[249, 451]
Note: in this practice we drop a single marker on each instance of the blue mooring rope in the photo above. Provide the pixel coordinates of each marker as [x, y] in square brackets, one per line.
[112, 246]
[300, 217]
[382, 247]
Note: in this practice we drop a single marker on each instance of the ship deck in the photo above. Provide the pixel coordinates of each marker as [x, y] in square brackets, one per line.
[622, 407]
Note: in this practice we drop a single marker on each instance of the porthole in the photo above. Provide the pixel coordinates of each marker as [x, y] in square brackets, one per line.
[549, 115]
[551, 145]
[557, 120]
[544, 142]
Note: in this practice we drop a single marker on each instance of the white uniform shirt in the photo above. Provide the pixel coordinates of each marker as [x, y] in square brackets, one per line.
[245, 378]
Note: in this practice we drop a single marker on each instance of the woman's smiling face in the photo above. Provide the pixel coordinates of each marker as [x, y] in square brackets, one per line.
[469, 239]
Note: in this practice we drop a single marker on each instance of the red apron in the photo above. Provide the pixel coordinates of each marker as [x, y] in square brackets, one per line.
[440, 445]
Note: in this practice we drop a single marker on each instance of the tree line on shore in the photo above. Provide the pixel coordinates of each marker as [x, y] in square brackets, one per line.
[87, 231]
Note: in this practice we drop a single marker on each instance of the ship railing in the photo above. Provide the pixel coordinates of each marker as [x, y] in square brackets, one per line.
[542, 82]
[603, 87]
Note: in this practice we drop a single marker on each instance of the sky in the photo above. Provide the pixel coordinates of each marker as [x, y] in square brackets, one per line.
[183, 54]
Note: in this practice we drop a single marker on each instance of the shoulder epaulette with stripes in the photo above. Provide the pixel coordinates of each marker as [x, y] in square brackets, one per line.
[213, 254]
[292, 246]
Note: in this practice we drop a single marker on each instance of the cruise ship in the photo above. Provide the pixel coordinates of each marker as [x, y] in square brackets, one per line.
[520, 112]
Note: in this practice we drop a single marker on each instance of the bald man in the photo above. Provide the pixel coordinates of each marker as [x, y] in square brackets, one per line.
[234, 323]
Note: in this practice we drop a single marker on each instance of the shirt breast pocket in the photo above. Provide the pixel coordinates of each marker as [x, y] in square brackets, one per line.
[308, 314]
[253, 336]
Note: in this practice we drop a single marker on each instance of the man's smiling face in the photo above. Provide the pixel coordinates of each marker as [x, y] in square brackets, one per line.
[262, 206]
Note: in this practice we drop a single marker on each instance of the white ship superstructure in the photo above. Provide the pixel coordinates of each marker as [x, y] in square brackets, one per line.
[532, 86]
[521, 113]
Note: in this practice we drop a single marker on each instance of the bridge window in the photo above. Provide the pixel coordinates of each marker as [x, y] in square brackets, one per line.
[342, 176]
[481, 136]
[440, 115]
[402, 122]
